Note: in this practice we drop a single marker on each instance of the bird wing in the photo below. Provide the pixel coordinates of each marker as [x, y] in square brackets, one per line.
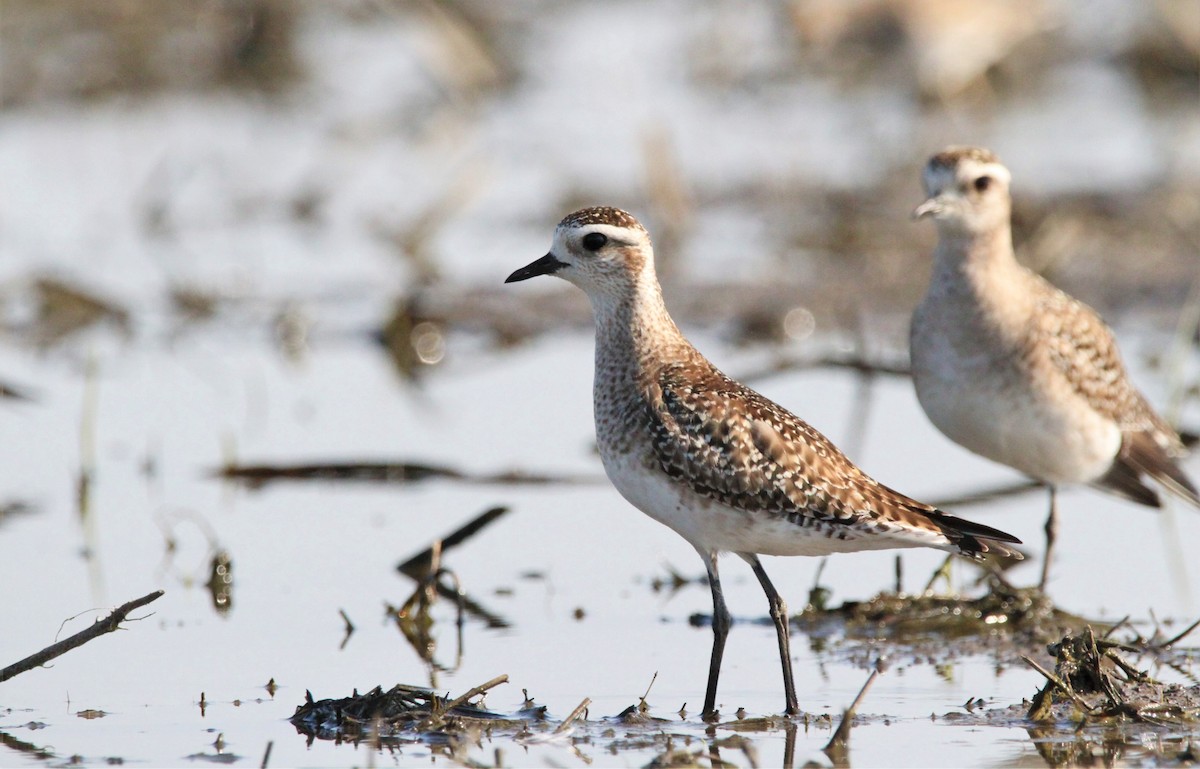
[1082, 348]
[730, 444]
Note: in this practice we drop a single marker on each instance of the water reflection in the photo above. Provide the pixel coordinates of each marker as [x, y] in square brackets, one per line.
[220, 582]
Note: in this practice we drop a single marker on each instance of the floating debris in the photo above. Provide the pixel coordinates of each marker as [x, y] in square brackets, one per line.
[108, 624]
[902, 617]
[420, 566]
[1093, 685]
[257, 476]
[1098, 709]
[402, 714]
[64, 309]
[1007, 622]
[14, 392]
[14, 509]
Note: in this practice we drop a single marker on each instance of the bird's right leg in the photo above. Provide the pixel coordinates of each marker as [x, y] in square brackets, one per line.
[1051, 535]
[720, 625]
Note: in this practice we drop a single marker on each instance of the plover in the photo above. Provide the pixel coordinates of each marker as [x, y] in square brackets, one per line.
[1012, 368]
[723, 466]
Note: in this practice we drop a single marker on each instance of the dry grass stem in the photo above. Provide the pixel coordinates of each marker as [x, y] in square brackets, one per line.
[100, 627]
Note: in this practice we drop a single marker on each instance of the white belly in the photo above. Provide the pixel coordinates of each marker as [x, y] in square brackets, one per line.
[712, 526]
[1035, 424]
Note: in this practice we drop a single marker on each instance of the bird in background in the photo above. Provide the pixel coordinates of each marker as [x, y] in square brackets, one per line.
[726, 468]
[1017, 371]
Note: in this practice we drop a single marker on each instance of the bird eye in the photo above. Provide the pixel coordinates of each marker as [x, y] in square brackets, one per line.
[594, 241]
[982, 183]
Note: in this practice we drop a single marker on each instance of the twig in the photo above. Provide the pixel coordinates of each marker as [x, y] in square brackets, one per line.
[841, 735]
[642, 706]
[988, 495]
[501, 679]
[107, 625]
[575, 714]
[258, 476]
[421, 564]
[1108, 633]
[1062, 686]
[1190, 628]
[349, 628]
[858, 365]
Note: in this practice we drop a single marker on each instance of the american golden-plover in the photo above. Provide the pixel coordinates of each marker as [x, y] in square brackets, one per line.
[1015, 370]
[723, 466]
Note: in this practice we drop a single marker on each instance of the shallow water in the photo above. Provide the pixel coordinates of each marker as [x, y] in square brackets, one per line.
[132, 197]
[302, 551]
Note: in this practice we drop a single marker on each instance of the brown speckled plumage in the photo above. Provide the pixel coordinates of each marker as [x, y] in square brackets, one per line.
[601, 215]
[952, 156]
[1083, 349]
[726, 468]
[1017, 370]
[662, 407]
[732, 445]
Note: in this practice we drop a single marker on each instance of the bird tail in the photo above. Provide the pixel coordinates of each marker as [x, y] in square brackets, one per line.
[1142, 456]
[974, 540]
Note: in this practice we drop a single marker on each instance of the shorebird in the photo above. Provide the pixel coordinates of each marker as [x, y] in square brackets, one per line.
[726, 468]
[1015, 370]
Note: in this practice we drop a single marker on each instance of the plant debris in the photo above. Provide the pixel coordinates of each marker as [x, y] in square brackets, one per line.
[1093, 685]
[1006, 621]
[1098, 709]
[108, 624]
[402, 714]
[257, 476]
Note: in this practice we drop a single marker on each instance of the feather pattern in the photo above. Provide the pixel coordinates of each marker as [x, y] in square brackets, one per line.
[1015, 369]
[730, 444]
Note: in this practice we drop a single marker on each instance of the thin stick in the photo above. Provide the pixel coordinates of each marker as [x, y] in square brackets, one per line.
[1062, 686]
[841, 736]
[1189, 629]
[575, 714]
[502, 679]
[267, 754]
[100, 627]
[420, 565]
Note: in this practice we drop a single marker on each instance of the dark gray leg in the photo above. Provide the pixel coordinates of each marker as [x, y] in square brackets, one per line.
[720, 625]
[1051, 535]
[779, 615]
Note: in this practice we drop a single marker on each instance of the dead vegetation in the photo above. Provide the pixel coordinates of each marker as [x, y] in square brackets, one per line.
[402, 712]
[61, 49]
[1004, 617]
[1099, 708]
[108, 624]
[1094, 685]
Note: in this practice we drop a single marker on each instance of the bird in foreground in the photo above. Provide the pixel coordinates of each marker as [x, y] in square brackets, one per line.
[1015, 370]
[726, 468]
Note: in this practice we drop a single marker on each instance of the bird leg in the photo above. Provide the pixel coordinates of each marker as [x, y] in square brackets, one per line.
[720, 625]
[779, 615]
[1051, 535]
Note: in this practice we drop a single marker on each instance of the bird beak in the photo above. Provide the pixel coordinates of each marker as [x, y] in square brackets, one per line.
[547, 265]
[931, 207]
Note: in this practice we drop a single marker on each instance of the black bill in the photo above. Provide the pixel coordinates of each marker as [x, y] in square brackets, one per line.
[547, 265]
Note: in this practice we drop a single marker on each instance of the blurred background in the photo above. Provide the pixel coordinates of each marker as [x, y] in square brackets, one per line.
[274, 232]
[194, 159]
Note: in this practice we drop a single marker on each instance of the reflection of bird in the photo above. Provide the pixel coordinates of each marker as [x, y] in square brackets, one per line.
[720, 464]
[1014, 369]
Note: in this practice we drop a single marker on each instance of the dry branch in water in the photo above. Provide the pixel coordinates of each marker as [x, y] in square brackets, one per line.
[257, 476]
[840, 742]
[100, 627]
